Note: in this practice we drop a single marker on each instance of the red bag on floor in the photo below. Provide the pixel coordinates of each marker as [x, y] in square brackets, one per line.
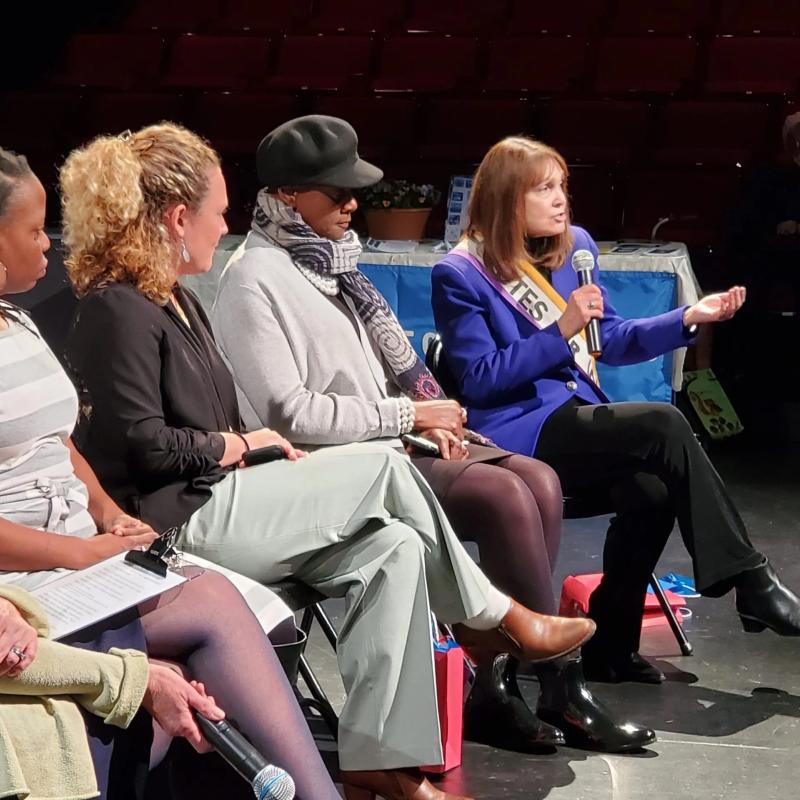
[448, 661]
[576, 590]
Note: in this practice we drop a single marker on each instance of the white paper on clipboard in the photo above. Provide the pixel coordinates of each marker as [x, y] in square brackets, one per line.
[78, 599]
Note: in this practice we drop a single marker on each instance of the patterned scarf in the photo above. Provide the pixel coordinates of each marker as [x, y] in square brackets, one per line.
[332, 266]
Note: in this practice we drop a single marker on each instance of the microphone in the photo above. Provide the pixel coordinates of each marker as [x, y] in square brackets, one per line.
[583, 264]
[268, 782]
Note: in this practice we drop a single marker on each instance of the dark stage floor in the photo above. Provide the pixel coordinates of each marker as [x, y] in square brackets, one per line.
[728, 716]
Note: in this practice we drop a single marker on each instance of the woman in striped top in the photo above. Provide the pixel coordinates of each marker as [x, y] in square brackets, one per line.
[54, 514]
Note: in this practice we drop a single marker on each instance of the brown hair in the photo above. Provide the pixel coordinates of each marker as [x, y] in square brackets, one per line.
[497, 207]
[114, 193]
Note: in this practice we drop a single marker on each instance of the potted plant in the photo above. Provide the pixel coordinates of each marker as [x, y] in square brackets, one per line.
[398, 209]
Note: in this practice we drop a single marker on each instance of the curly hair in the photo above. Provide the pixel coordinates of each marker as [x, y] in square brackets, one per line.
[114, 193]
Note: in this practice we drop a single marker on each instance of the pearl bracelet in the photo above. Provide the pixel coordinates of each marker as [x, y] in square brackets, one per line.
[408, 415]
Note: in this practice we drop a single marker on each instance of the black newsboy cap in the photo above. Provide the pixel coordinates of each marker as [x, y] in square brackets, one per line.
[313, 150]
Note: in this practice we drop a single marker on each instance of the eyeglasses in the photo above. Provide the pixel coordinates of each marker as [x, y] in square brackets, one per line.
[335, 194]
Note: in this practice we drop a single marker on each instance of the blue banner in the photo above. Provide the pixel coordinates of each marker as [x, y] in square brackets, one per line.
[407, 289]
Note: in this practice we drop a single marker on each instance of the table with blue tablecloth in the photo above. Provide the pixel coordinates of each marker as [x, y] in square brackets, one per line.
[642, 279]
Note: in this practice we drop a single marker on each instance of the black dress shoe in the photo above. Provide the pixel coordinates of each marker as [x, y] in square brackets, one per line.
[632, 668]
[566, 702]
[496, 713]
[764, 602]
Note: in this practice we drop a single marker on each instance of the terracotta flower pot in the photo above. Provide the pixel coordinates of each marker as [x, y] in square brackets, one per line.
[397, 223]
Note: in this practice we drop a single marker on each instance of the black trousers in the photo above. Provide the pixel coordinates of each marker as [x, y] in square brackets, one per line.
[644, 462]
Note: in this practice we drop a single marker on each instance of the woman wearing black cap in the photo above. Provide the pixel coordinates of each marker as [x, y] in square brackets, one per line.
[326, 362]
[164, 433]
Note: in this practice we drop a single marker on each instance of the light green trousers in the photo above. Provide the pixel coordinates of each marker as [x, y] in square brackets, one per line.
[358, 522]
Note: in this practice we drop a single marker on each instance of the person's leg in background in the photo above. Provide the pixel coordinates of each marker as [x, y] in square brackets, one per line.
[635, 540]
[589, 444]
[513, 511]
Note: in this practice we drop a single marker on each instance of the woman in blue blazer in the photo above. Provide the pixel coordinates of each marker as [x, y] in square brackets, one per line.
[512, 314]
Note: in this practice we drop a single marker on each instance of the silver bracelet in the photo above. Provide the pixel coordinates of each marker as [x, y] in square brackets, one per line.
[408, 415]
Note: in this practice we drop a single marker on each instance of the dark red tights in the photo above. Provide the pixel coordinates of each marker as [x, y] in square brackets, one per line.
[512, 510]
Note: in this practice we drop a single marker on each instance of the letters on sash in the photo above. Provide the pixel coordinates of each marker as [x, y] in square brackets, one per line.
[534, 298]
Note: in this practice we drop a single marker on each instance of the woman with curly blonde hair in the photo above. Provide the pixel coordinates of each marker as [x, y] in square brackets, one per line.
[164, 432]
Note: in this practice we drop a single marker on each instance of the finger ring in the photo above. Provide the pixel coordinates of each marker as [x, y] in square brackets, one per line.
[591, 304]
[18, 652]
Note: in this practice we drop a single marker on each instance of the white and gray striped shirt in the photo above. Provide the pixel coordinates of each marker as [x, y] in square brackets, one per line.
[38, 409]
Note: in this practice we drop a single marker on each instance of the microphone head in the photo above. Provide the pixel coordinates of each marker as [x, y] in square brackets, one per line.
[273, 783]
[582, 261]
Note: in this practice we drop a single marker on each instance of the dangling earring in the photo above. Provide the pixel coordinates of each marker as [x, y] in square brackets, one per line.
[184, 252]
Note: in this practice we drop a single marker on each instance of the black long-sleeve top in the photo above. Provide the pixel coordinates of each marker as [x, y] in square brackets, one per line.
[155, 392]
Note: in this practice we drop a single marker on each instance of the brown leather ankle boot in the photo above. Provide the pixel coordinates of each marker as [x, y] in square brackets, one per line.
[391, 784]
[528, 636]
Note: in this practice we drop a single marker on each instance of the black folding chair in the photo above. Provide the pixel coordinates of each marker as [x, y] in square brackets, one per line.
[319, 713]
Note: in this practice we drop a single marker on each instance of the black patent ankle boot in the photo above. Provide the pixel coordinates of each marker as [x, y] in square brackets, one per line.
[496, 713]
[764, 602]
[566, 702]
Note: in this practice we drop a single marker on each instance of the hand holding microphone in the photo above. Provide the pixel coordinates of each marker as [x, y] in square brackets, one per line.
[585, 304]
[268, 781]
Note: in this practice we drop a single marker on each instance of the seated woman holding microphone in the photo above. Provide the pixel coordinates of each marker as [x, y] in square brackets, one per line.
[163, 431]
[54, 514]
[325, 362]
[511, 314]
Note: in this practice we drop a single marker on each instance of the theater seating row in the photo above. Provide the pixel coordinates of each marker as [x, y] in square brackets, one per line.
[518, 63]
[468, 16]
[404, 127]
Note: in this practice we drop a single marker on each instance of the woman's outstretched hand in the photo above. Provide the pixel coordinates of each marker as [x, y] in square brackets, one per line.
[715, 307]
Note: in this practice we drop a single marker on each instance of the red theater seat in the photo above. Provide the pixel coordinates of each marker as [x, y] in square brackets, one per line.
[261, 16]
[698, 200]
[39, 122]
[674, 17]
[760, 65]
[321, 62]
[387, 127]
[235, 122]
[576, 17]
[425, 63]
[535, 63]
[645, 64]
[121, 61]
[114, 112]
[217, 62]
[463, 130]
[463, 17]
[718, 133]
[595, 130]
[764, 16]
[179, 16]
[356, 16]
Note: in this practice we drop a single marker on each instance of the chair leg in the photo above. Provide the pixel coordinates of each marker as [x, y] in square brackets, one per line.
[677, 629]
[325, 623]
[320, 699]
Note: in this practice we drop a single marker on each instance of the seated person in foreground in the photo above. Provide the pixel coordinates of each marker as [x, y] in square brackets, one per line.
[54, 514]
